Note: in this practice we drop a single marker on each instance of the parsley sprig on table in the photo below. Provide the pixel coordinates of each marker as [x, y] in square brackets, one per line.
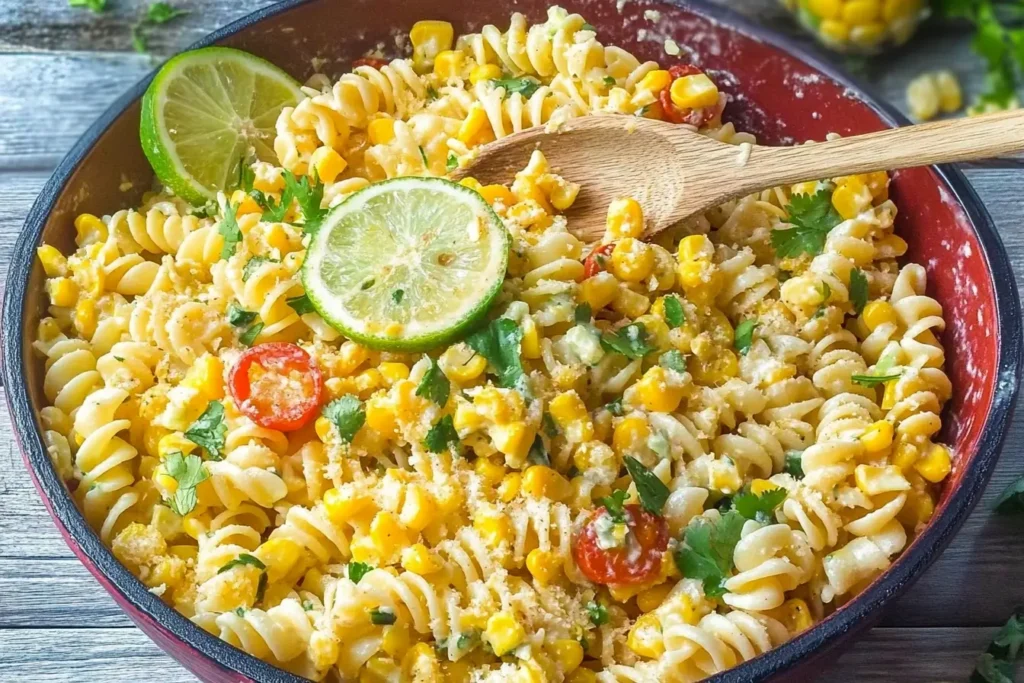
[997, 663]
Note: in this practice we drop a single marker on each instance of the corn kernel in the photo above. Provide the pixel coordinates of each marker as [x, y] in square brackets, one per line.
[381, 131]
[484, 72]
[889, 397]
[657, 392]
[323, 428]
[85, 317]
[54, 263]
[632, 260]
[878, 313]
[861, 11]
[629, 303]
[328, 164]
[343, 505]
[918, 509]
[570, 413]
[89, 229]
[850, 200]
[923, 97]
[632, 430]
[493, 194]
[563, 195]
[794, 614]
[430, 38]
[540, 481]
[877, 437]
[494, 527]
[650, 599]
[568, 654]
[582, 676]
[645, 637]
[544, 565]
[891, 246]
[694, 92]
[826, 9]
[509, 487]
[244, 203]
[874, 480]
[392, 372]
[474, 126]
[491, 471]
[420, 664]
[207, 377]
[419, 509]
[935, 465]
[379, 670]
[599, 291]
[834, 30]
[418, 559]
[462, 364]
[504, 633]
[63, 291]
[759, 486]
[387, 533]
[448, 64]
[280, 556]
[868, 35]
[625, 219]
[655, 81]
[905, 455]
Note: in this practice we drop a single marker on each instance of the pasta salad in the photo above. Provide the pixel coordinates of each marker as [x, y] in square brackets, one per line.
[643, 461]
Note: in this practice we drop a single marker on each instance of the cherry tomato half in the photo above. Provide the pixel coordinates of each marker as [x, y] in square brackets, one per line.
[594, 264]
[680, 70]
[277, 386]
[375, 62]
[639, 560]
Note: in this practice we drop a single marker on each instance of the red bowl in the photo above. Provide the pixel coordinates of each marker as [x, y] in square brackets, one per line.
[782, 93]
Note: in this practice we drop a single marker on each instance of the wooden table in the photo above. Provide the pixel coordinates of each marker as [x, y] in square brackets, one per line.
[60, 67]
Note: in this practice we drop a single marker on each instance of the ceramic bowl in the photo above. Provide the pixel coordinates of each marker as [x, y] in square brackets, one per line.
[782, 93]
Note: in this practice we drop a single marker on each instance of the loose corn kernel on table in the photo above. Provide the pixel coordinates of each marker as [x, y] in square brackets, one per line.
[60, 67]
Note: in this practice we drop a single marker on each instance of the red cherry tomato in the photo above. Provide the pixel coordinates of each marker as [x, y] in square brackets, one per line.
[594, 264]
[277, 386]
[375, 62]
[639, 560]
[680, 70]
[694, 117]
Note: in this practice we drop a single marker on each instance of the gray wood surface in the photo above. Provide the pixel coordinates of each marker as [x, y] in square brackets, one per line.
[60, 67]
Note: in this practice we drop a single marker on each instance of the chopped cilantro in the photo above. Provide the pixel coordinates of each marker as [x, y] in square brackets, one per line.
[673, 360]
[309, 193]
[744, 336]
[524, 85]
[357, 570]
[1011, 500]
[209, 431]
[613, 505]
[381, 616]
[442, 436]
[452, 162]
[548, 425]
[253, 264]
[189, 472]
[997, 664]
[538, 455]
[499, 344]
[273, 210]
[858, 290]
[398, 295]
[812, 217]
[674, 314]
[261, 587]
[301, 304]
[583, 314]
[423, 155]
[759, 507]
[431, 93]
[347, 414]
[873, 380]
[96, 6]
[653, 493]
[119, 359]
[230, 231]
[794, 464]
[249, 336]
[161, 13]
[238, 316]
[597, 612]
[434, 385]
[609, 81]
[630, 341]
[614, 407]
[242, 560]
[706, 553]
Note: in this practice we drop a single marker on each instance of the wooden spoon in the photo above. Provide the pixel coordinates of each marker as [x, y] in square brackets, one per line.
[675, 172]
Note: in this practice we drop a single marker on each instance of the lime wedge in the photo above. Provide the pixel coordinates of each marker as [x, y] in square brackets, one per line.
[205, 112]
[407, 264]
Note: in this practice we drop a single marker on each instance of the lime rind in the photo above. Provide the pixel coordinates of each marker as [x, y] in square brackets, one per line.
[203, 112]
[407, 264]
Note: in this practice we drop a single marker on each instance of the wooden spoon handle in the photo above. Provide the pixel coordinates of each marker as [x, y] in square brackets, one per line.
[941, 142]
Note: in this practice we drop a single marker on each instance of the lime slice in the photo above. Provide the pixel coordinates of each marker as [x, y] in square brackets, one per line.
[205, 112]
[407, 264]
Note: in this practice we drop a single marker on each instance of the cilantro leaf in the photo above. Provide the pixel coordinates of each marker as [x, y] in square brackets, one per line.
[588, 27]
[434, 385]
[759, 506]
[301, 304]
[548, 425]
[381, 616]
[653, 493]
[1011, 500]
[273, 210]
[583, 314]
[398, 295]
[538, 454]
[253, 264]
[96, 6]
[161, 13]
[347, 414]
[499, 344]
[873, 380]
[613, 505]
[674, 314]
[1009, 642]
[706, 553]
[794, 464]
[597, 612]
[238, 316]
[858, 290]
[524, 85]
[309, 193]
[189, 472]
[673, 360]
[243, 560]
[442, 436]
[744, 336]
[614, 407]
[609, 81]
[357, 570]
[989, 669]
[630, 341]
[229, 230]
[210, 430]
[451, 163]
[812, 217]
[249, 336]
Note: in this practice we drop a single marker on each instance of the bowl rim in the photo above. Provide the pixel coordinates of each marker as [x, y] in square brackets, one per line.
[85, 543]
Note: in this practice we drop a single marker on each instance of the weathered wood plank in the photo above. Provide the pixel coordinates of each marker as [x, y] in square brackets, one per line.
[117, 655]
[54, 593]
